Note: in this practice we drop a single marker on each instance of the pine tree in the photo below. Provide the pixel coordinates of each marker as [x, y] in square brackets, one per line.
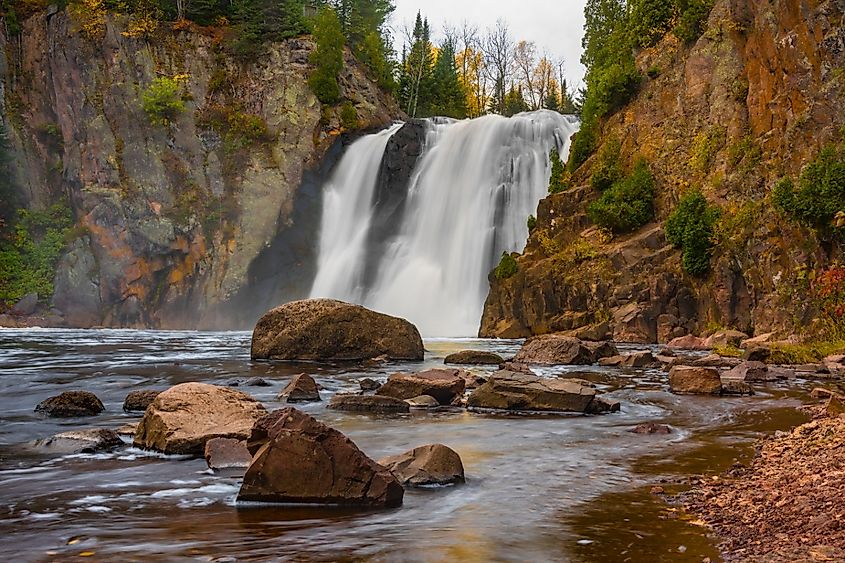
[417, 70]
[552, 100]
[514, 102]
[328, 57]
[449, 96]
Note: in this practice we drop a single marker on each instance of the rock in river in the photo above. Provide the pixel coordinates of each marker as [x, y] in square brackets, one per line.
[474, 357]
[329, 330]
[301, 389]
[695, 380]
[445, 385]
[367, 403]
[518, 391]
[227, 453]
[138, 401]
[183, 418]
[87, 441]
[71, 403]
[434, 464]
[556, 349]
[297, 459]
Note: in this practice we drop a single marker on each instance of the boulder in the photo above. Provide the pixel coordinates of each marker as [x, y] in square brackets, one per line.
[445, 385]
[759, 353]
[26, 306]
[368, 384]
[688, 342]
[81, 442]
[715, 361]
[227, 453]
[474, 357]
[507, 390]
[138, 401]
[651, 428]
[725, 338]
[695, 380]
[601, 405]
[301, 389]
[517, 367]
[329, 330]
[256, 382]
[422, 402]
[750, 372]
[757, 340]
[128, 429]
[634, 360]
[473, 380]
[297, 459]
[732, 386]
[556, 349]
[434, 464]
[595, 332]
[182, 419]
[71, 403]
[367, 403]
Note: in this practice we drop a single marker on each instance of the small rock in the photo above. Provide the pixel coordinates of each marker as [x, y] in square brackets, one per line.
[475, 357]
[695, 380]
[368, 403]
[71, 403]
[227, 453]
[127, 429]
[735, 387]
[643, 359]
[651, 428]
[517, 368]
[301, 389]
[716, 361]
[368, 384]
[757, 340]
[688, 342]
[423, 402]
[601, 405]
[434, 464]
[750, 372]
[556, 349]
[139, 400]
[257, 382]
[473, 380]
[835, 406]
[725, 338]
[657, 490]
[81, 441]
[757, 353]
[445, 385]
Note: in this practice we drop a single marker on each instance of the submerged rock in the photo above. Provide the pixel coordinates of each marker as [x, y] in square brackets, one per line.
[71, 403]
[329, 330]
[651, 428]
[695, 380]
[474, 357]
[508, 390]
[423, 402]
[368, 403]
[443, 384]
[368, 384]
[434, 464]
[227, 453]
[301, 389]
[182, 419]
[556, 349]
[297, 459]
[88, 441]
[139, 400]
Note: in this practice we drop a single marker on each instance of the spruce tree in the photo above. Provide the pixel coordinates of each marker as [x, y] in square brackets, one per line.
[449, 98]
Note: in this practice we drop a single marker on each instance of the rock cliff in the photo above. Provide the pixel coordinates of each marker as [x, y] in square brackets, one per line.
[754, 99]
[178, 224]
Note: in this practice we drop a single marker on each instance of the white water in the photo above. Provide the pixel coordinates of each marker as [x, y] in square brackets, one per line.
[470, 195]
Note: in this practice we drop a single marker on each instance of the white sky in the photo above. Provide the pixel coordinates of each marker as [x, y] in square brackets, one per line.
[556, 26]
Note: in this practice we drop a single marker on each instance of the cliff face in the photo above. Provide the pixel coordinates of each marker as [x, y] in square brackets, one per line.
[175, 220]
[754, 99]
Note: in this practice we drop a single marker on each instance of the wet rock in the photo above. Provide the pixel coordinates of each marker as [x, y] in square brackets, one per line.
[651, 428]
[725, 338]
[138, 401]
[227, 453]
[695, 380]
[327, 330]
[88, 441]
[257, 382]
[757, 340]
[128, 429]
[517, 368]
[26, 306]
[297, 459]
[423, 402]
[473, 380]
[555, 349]
[757, 354]
[715, 361]
[601, 405]
[750, 372]
[508, 390]
[781, 373]
[474, 357]
[368, 403]
[634, 360]
[595, 332]
[368, 384]
[301, 389]
[688, 342]
[445, 385]
[434, 464]
[71, 403]
[732, 386]
[182, 419]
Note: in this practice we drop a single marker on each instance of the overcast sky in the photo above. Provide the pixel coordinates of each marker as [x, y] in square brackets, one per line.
[556, 26]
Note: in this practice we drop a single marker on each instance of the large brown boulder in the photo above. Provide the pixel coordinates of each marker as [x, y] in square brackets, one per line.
[368, 403]
[327, 330]
[695, 380]
[297, 459]
[557, 349]
[301, 389]
[434, 464]
[474, 357]
[445, 385]
[71, 403]
[183, 418]
[514, 391]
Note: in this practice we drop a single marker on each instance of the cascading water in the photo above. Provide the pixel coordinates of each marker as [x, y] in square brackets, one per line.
[468, 200]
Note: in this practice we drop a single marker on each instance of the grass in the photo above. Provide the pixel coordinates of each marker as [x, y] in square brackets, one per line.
[807, 353]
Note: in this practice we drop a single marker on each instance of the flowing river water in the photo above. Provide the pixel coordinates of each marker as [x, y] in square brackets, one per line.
[539, 488]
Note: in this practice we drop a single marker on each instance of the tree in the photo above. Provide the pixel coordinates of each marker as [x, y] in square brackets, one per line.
[327, 57]
[415, 83]
[449, 98]
[498, 48]
[525, 59]
[514, 102]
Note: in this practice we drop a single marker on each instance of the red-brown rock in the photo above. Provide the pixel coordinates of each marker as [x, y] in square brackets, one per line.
[434, 464]
[445, 385]
[301, 389]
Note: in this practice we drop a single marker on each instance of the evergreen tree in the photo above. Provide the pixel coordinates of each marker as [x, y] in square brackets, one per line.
[449, 98]
[514, 102]
[552, 100]
[416, 80]
[328, 57]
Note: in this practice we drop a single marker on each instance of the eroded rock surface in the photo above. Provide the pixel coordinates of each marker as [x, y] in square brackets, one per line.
[434, 464]
[506, 390]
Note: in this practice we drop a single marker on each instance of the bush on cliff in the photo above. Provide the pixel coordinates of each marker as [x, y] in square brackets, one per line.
[606, 170]
[162, 100]
[328, 57]
[628, 204]
[506, 268]
[557, 181]
[690, 228]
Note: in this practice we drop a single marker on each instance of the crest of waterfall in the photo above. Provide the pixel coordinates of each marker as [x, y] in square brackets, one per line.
[469, 197]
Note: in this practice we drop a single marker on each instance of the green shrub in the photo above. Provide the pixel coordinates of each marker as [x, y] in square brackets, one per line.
[348, 116]
[583, 144]
[744, 154]
[819, 194]
[628, 204]
[693, 18]
[506, 268]
[327, 57]
[557, 181]
[532, 223]
[690, 228]
[162, 100]
[237, 126]
[649, 20]
[705, 146]
[606, 170]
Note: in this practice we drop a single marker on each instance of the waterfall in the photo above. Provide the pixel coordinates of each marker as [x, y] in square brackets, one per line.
[470, 194]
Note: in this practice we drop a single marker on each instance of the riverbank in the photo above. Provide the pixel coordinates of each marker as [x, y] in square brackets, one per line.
[787, 504]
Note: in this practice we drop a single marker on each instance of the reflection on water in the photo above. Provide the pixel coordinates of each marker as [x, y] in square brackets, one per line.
[539, 488]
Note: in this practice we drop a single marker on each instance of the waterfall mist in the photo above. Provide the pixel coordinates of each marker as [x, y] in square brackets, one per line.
[468, 200]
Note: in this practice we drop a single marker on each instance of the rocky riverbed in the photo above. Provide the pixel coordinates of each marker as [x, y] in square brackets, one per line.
[537, 486]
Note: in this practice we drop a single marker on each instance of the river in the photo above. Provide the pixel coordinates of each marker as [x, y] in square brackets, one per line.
[539, 488]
